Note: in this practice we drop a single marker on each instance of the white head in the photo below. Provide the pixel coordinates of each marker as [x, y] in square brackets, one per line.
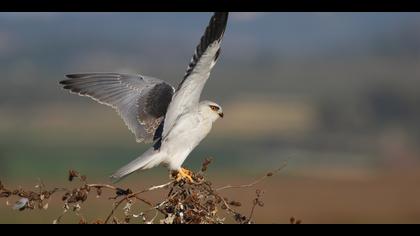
[211, 110]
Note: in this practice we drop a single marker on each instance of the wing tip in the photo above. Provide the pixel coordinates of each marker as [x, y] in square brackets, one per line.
[223, 16]
[220, 20]
[69, 78]
[64, 82]
[73, 76]
[67, 85]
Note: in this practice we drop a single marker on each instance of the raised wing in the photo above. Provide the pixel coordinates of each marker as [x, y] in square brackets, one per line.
[189, 90]
[141, 101]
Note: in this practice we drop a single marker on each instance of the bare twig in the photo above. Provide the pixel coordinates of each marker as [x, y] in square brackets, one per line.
[102, 186]
[134, 195]
[269, 174]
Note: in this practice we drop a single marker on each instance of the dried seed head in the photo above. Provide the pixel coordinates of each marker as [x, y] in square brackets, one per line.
[255, 202]
[293, 220]
[206, 163]
[46, 194]
[83, 196]
[66, 196]
[240, 218]
[87, 188]
[84, 178]
[73, 174]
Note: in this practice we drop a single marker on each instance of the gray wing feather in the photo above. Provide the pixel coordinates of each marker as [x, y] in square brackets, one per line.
[198, 71]
[141, 101]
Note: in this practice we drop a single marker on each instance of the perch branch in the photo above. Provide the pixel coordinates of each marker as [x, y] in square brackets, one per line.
[185, 202]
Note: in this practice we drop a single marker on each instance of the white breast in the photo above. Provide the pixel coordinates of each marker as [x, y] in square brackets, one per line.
[184, 136]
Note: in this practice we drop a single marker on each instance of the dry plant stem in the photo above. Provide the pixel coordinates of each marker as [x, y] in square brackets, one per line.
[114, 209]
[256, 202]
[143, 200]
[126, 198]
[187, 203]
[252, 211]
[227, 205]
[102, 186]
[256, 181]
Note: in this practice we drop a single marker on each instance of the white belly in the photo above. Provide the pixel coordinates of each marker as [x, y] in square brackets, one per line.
[188, 132]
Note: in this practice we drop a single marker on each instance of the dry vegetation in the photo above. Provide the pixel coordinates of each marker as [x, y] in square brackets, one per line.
[185, 203]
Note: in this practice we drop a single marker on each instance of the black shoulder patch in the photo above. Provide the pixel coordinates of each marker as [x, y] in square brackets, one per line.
[158, 136]
[159, 130]
[157, 145]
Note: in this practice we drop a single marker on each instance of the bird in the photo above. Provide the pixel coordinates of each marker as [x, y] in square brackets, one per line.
[173, 120]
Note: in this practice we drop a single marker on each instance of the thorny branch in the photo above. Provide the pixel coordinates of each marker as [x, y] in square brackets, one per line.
[186, 203]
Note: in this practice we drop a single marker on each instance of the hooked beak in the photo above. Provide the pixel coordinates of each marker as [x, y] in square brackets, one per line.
[221, 115]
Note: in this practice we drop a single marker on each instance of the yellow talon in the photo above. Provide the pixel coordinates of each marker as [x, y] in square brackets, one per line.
[185, 174]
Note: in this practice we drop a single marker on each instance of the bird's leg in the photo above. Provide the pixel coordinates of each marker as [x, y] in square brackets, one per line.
[185, 174]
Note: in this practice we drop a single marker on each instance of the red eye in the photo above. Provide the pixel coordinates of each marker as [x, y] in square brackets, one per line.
[214, 108]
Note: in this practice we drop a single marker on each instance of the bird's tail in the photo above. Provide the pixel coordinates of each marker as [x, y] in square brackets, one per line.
[147, 160]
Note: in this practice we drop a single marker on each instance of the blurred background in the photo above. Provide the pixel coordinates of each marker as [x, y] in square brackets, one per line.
[335, 94]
